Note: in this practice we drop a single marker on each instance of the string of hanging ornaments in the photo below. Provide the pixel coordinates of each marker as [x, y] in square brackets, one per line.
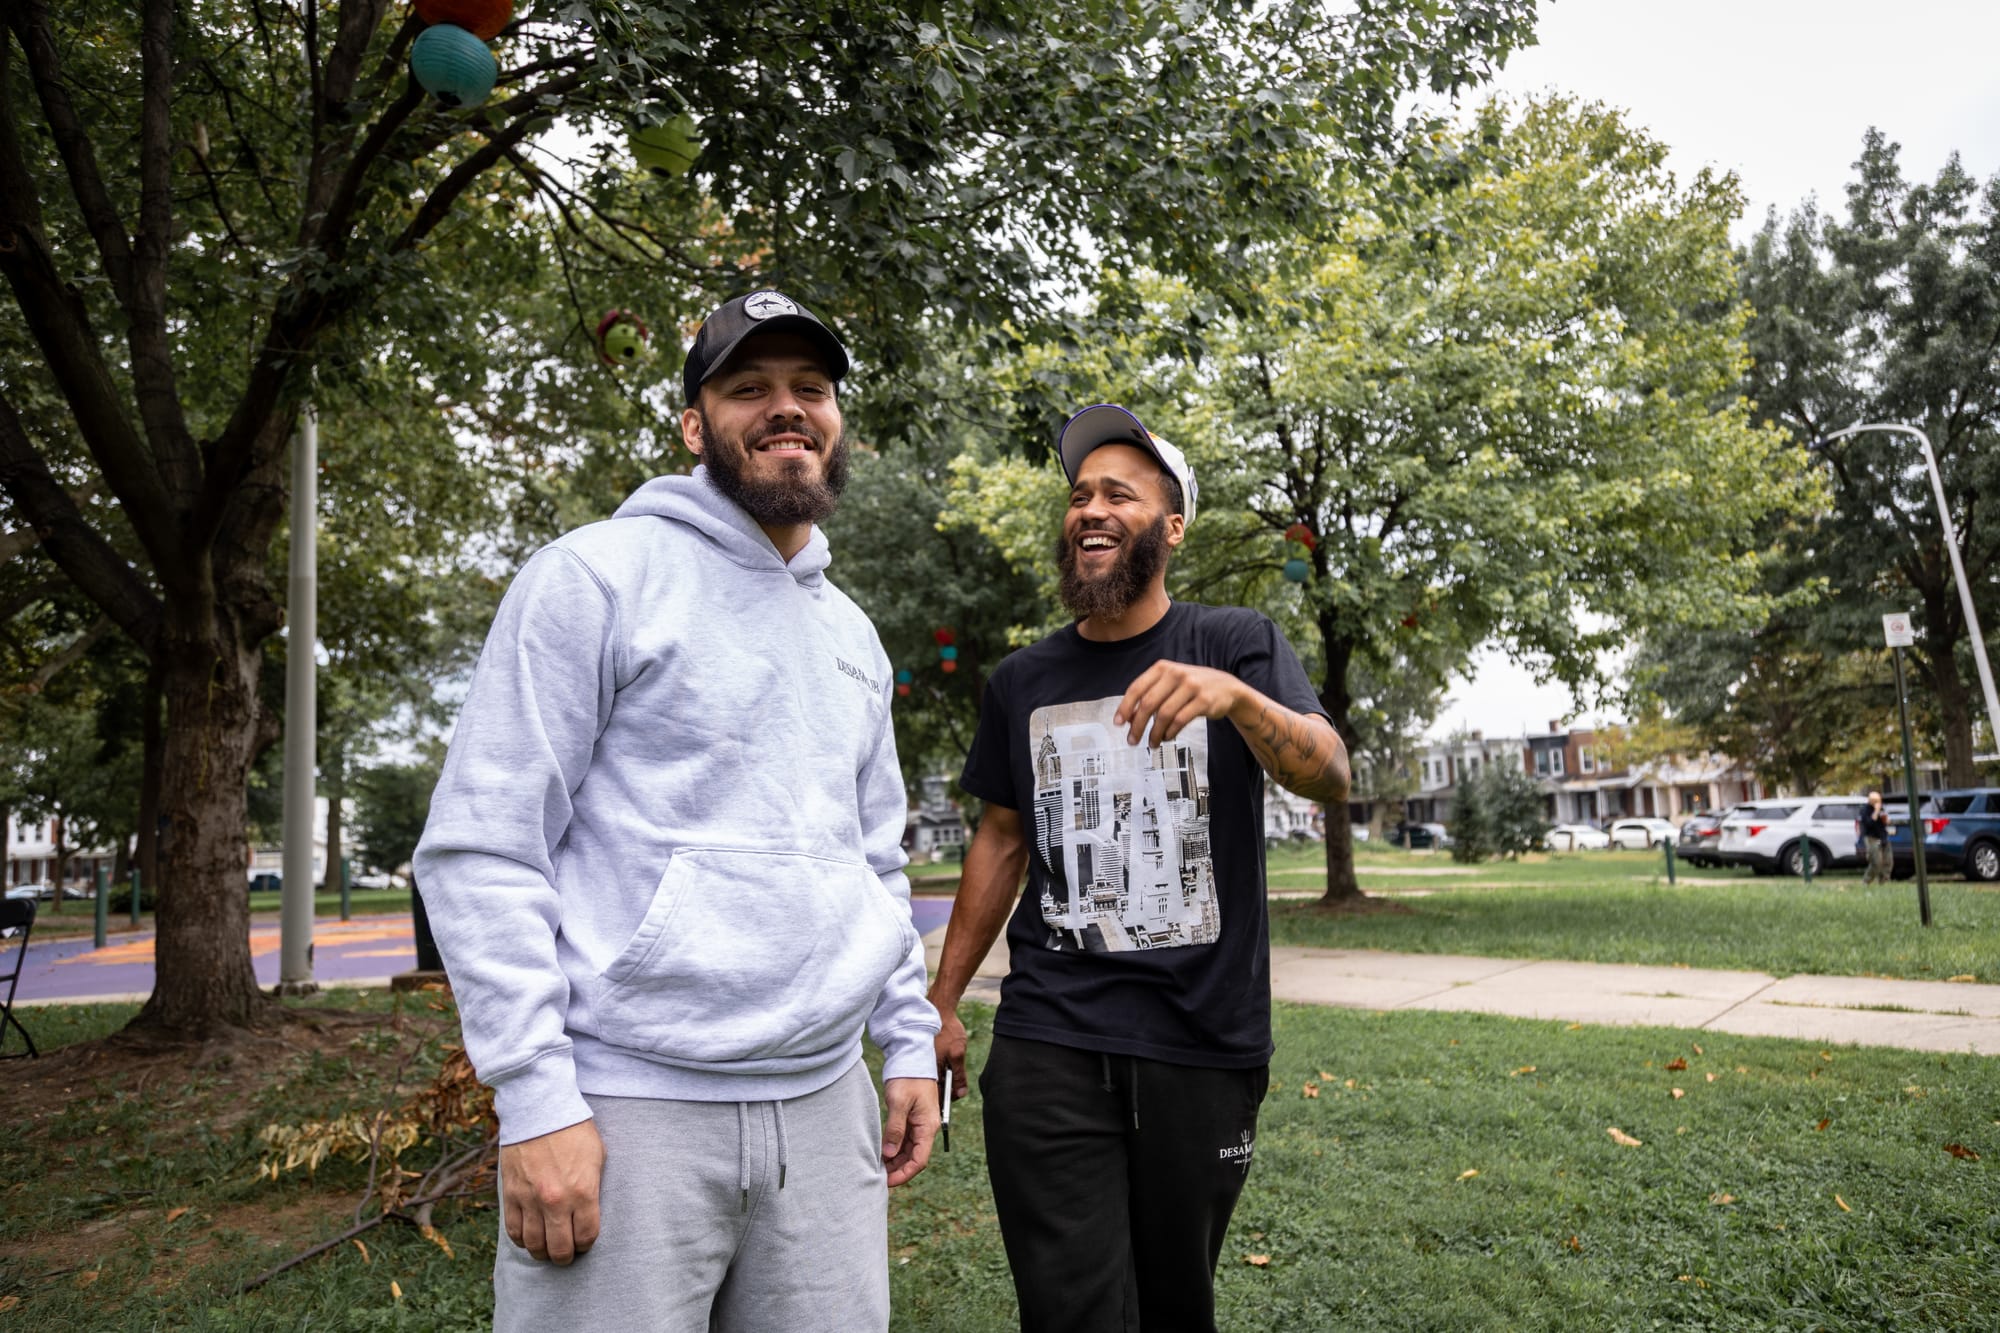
[450, 59]
[1297, 568]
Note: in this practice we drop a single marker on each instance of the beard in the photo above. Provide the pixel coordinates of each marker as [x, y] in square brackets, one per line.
[795, 495]
[1111, 593]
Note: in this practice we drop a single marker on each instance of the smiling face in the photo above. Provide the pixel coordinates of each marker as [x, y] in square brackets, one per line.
[1117, 533]
[768, 426]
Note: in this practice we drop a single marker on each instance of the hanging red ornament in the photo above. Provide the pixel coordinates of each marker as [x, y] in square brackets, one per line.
[903, 691]
[948, 666]
[944, 636]
[482, 18]
[1303, 535]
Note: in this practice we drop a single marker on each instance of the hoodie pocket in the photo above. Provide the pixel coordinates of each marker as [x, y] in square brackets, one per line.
[753, 956]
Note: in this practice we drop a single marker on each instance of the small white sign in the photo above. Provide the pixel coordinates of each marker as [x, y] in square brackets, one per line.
[1896, 629]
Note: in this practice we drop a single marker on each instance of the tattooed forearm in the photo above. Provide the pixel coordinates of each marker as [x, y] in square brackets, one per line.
[1300, 752]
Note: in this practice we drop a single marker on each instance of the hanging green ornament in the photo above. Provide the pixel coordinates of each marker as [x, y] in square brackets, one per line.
[669, 149]
[453, 66]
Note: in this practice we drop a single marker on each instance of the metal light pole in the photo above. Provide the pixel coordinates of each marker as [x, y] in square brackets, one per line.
[295, 912]
[1957, 565]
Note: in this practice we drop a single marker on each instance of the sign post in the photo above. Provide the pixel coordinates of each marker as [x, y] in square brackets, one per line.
[1897, 631]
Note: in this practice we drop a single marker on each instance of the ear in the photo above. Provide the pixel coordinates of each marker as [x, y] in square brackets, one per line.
[691, 430]
[1176, 530]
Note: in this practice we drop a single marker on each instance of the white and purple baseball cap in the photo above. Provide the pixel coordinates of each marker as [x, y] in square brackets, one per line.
[1108, 423]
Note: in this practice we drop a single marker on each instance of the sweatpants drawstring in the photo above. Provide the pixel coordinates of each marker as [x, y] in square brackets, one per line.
[778, 1110]
[1107, 1071]
[743, 1152]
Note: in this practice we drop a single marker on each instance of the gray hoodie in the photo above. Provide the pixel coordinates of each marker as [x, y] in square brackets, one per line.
[665, 855]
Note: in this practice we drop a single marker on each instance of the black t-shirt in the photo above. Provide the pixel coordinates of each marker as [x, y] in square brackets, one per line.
[1143, 929]
[1874, 825]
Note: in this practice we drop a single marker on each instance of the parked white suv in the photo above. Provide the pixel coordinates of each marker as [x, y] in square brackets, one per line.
[1776, 836]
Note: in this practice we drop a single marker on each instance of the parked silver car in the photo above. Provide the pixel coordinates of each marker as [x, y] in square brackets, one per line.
[1775, 837]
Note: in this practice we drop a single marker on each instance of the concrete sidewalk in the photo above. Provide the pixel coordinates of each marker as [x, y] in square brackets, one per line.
[1866, 1011]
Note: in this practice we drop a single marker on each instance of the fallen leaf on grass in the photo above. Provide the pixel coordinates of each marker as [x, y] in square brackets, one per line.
[8, 1302]
[1524, 1069]
[1961, 1152]
[1257, 1260]
[1677, 1064]
[1697, 1047]
[1709, 1077]
[1678, 1093]
[1325, 1077]
[1348, 1084]
[1574, 1243]
[1722, 1200]
[1822, 1124]
[1914, 1091]
[395, 1289]
[436, 1237]
[1470, 1172]
[1843, 1204]
[1690, 1277]
[87, 1277]
[1622, 1139]
[364, 1252]
[1743, 1069]
[1573, 1027]
[175, 1214]
[1311, 1089]
[1964, 976]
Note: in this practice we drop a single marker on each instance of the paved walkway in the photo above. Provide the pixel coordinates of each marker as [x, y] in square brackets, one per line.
[1916, 1015]
[1867, 1011]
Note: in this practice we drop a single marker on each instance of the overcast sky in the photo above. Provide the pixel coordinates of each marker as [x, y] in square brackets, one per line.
[1780, 92]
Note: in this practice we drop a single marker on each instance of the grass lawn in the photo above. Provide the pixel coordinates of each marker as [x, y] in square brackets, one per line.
[1452, 1172]
[1617, 907]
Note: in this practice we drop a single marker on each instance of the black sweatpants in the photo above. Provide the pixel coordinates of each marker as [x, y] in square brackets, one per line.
[1114, 1179]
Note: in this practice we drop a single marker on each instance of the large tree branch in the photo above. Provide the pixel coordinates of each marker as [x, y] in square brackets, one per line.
[153, 378]
[22, 540]
[30, 23]
[56, 316]
[79, 550]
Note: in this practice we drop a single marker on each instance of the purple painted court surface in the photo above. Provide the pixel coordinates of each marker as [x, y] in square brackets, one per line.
[364, 948]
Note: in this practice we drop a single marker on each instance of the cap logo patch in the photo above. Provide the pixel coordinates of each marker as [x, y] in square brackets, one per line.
[763, 305]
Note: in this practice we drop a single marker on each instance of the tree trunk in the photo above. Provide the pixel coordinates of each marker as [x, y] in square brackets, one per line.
[204, 985]
[148, 851]
[1954, 704]
[1343, 888]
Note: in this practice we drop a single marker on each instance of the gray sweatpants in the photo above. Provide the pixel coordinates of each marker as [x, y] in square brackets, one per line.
[757, 1217]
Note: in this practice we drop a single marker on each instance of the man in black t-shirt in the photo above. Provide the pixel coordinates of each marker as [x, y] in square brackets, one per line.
[1122, 761]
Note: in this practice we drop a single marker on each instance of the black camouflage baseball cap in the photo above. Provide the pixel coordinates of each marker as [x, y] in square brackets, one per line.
[756, 312]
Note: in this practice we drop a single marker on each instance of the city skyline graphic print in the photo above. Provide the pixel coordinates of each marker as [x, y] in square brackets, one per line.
[1122, 832]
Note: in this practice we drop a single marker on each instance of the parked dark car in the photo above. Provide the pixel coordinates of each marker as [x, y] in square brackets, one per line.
[1699, 838]
[1418, 837]
[1961, 834]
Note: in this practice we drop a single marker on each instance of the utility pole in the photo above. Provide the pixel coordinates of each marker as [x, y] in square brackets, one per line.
[295, 911]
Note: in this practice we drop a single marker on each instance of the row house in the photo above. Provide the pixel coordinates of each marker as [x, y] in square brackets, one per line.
[28, 853]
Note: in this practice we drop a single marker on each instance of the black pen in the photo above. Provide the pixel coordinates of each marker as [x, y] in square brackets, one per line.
[944, 1125]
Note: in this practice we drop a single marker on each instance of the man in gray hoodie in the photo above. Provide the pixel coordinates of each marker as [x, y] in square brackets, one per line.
[664, 868]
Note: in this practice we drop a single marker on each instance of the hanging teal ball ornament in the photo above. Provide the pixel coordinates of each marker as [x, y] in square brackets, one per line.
[948, 653]
[453, 66]
[903, 676]
[1296, 570]
[669, 149]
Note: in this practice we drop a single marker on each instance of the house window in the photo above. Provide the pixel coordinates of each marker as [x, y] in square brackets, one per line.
[1586, 760]
[1542, 762]
[1556, 762]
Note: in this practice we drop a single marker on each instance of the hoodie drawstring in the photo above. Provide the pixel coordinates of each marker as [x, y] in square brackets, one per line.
[1107, 1072]
[743, 1152]
[778, 1111]
[743, 1147]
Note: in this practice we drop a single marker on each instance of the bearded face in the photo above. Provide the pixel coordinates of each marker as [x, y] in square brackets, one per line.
[781, 473]
[1108, 587]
